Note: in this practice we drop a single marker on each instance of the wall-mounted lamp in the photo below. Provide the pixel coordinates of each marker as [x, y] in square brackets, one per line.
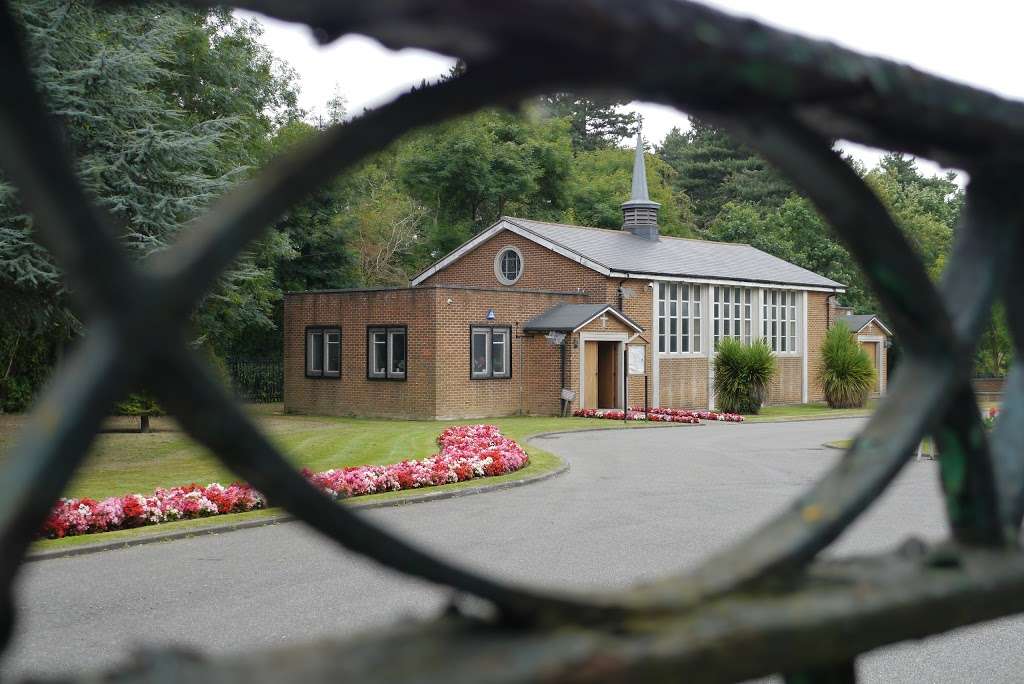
[490, 314]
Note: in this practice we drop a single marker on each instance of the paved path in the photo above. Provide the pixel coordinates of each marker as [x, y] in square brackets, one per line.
[635, 505]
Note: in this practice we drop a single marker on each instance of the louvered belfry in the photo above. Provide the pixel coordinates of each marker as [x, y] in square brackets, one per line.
[640, 214]
[770, 603]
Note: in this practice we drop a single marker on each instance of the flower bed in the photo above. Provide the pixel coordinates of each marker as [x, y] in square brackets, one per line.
[467, 452]
[702, 415]
[658, 415]
[989, 417]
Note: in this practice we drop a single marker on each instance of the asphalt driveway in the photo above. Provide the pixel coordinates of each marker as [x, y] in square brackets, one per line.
[635, 505]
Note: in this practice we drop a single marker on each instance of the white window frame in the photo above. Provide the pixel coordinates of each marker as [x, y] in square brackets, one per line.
[676, 313]
[780, 321]
[737, 303]
[488, 332]
[389, 332]
[499, 272]
[325, 333]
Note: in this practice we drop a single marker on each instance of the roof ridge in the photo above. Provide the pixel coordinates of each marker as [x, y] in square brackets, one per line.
[619, 230]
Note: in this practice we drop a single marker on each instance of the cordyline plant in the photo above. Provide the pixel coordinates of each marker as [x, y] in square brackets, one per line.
[845, 372]
[742, 374]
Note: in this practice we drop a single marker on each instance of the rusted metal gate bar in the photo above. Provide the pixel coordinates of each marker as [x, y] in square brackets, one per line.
[766, 605]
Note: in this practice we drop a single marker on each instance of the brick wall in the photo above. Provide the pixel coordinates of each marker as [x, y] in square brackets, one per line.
[353, 393]
[818, 317]
[438, 383]
[542, 269]
[542, 382]
[786, 386]
[989, 388]
[532, 386]
[683, 382]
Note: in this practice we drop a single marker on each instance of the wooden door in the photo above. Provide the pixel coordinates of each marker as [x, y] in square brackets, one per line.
[590, 375]
[608, 365]
[871, 349]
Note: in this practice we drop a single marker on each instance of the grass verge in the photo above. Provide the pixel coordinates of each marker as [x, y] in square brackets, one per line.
[844, 444]
[817, 411]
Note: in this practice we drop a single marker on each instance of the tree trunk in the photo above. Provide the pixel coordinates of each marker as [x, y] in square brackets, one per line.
[143, 423]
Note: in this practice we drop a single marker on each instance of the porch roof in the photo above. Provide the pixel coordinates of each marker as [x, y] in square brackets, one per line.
[572, 317]
[858, 322]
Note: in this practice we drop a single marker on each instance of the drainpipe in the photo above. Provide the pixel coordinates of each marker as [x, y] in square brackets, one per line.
[522, 352]
[562, 402]
[828, 310]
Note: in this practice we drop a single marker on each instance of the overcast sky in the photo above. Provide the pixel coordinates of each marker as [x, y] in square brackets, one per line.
[978, 43]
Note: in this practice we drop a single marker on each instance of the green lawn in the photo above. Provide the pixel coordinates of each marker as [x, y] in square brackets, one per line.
[124, 462]
[807, 411]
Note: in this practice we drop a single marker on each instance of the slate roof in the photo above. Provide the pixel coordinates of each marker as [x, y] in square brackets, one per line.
[569, 317]
[620, 251]
[856, 322]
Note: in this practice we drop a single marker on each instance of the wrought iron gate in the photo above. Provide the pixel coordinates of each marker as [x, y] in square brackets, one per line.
[766, 605]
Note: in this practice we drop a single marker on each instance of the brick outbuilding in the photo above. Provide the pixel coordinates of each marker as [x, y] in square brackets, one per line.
[531, 317]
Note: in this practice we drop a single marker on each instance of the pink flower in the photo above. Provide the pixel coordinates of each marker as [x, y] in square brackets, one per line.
[467, 451]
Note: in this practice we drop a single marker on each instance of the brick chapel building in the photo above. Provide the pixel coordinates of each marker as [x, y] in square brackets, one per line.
[537, 318]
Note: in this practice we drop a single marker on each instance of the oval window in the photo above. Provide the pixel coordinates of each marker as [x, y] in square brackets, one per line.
[508, 265]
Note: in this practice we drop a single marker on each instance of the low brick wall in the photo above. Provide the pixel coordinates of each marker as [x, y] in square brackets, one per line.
[989, 388]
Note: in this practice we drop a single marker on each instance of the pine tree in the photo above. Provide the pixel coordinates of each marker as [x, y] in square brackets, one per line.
[595, 122]
[712, 169]
[163, 109]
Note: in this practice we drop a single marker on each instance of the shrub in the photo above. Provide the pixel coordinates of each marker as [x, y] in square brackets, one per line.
[846, 373]
[742, 374]
[141, 405]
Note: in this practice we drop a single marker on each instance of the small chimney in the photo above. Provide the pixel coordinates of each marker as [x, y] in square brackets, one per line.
[640, 214]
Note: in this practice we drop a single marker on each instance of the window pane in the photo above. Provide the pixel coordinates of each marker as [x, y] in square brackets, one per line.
[333, 352]
[479, 352]
[397, 366]
[673, 319]
[499, 339]
[510, 264]
[379, 352]
[316, 352]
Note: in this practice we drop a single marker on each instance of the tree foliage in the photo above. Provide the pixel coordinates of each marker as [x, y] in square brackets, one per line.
[600, 181]
[712, 169]
[470, 171]
[164, 109]
[595, 121]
